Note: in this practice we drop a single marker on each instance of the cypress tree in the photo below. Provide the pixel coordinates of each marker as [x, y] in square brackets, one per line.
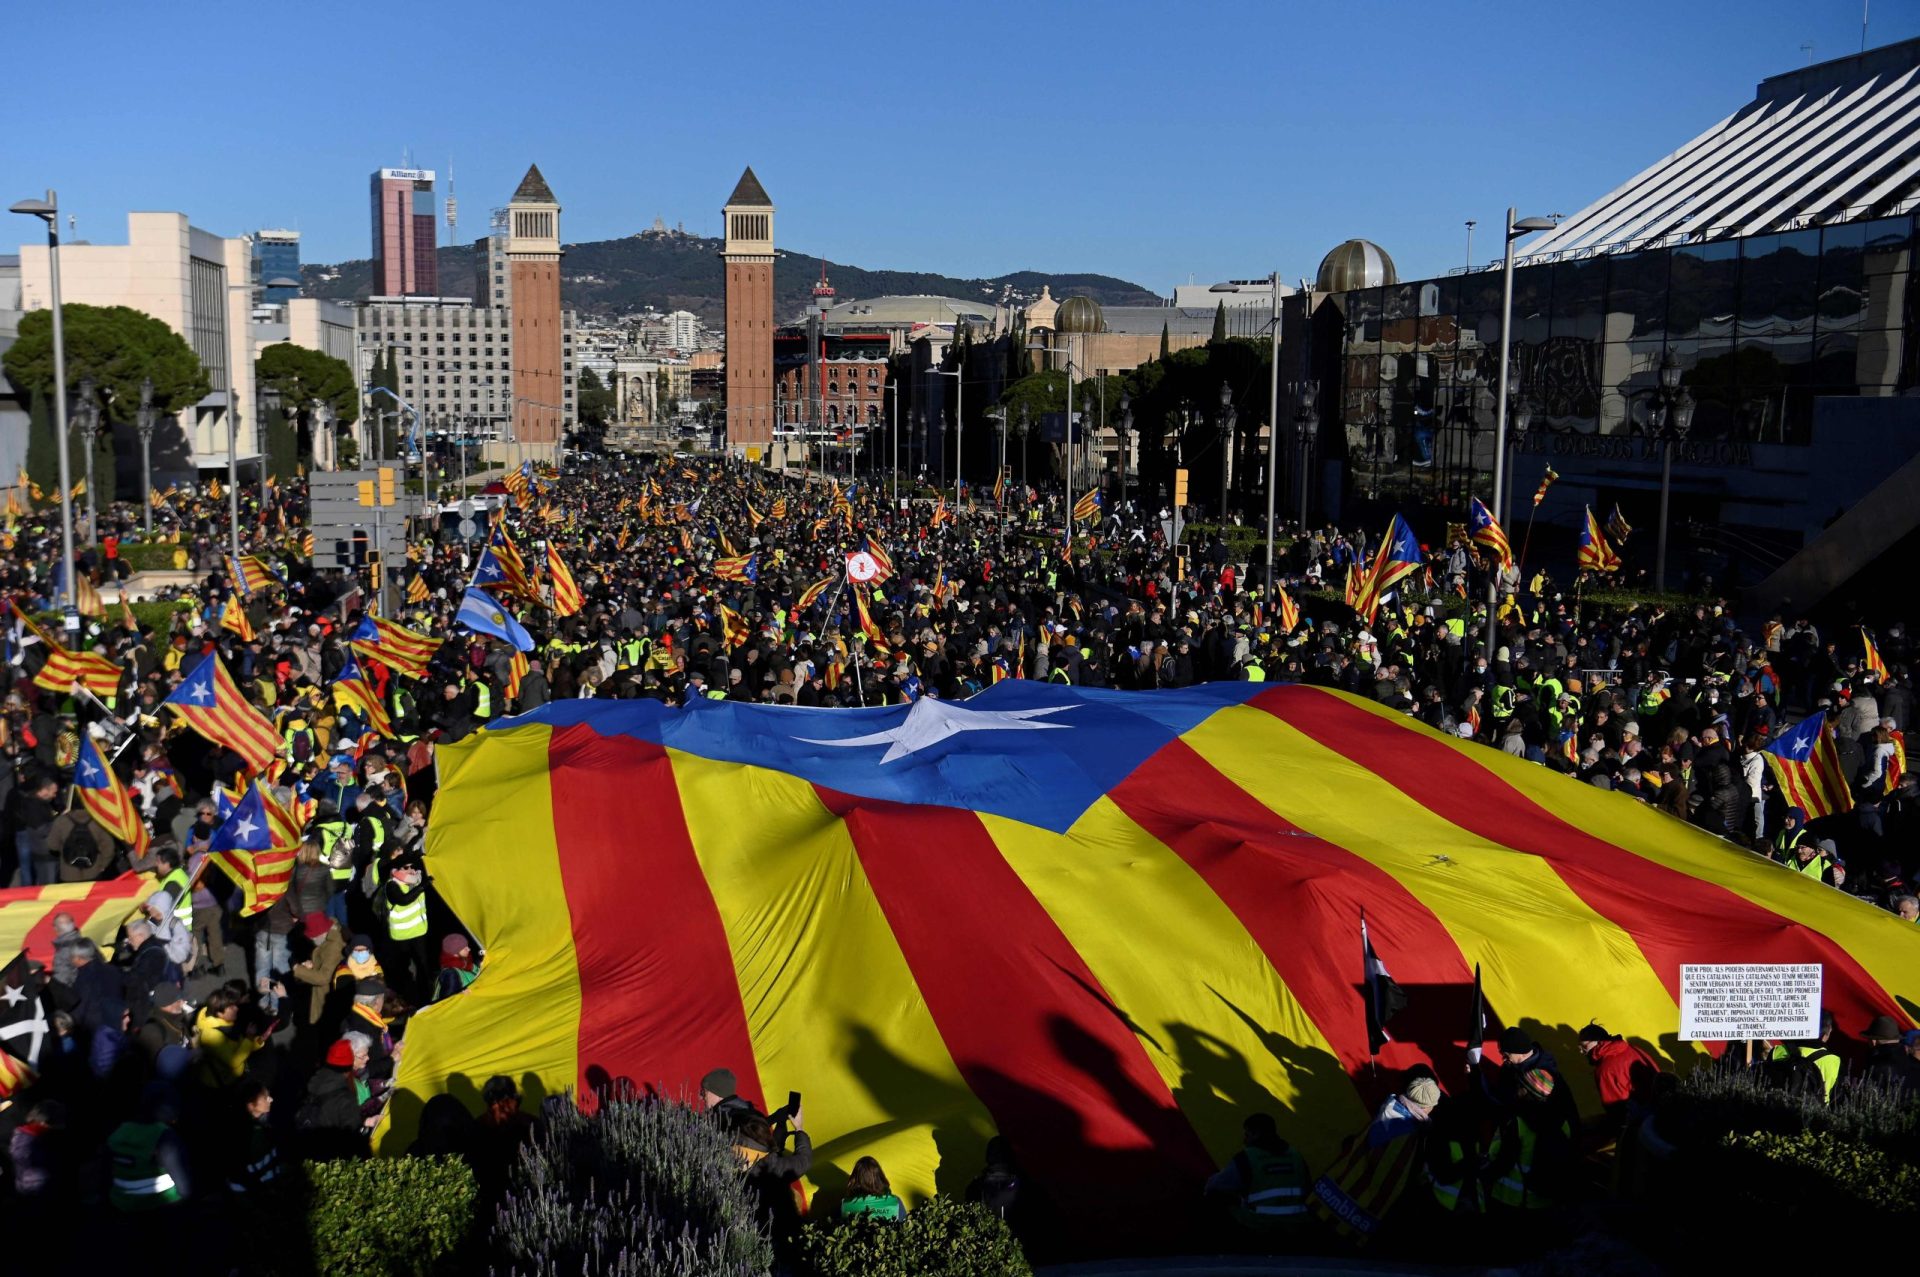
[1220, 322]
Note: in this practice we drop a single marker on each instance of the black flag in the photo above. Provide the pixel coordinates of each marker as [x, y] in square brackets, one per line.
[23, 1024]
[1477, 1027]
[1384, 998]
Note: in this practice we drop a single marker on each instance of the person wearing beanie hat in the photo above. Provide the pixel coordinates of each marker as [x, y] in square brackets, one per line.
[457, 967]
[357, 962]
[315, 972]
[1361, 1188]
[1531, 1159]
[330, 1121]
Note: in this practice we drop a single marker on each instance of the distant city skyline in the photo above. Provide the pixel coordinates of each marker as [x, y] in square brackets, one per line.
[1213, 142]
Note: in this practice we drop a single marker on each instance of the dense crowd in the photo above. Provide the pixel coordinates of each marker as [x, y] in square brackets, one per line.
[197, 1045]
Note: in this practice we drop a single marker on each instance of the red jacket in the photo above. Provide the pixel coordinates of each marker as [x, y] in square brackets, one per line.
[1615, 1063]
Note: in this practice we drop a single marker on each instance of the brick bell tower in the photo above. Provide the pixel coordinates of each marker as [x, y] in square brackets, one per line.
[533, 258]
[749, 257]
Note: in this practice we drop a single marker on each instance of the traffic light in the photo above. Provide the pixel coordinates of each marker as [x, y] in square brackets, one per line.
[366, 492]
[1180, 559]
[386, 485]
[1179, 487]
[373, 570]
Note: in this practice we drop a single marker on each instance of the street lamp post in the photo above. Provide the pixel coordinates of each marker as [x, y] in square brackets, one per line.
[1516, 228]
[1273, 430]
[960, 428]
[144, 424]
[1306, 421]
[1020, 429]
[893, 389]
[87, 407]
[1049, 349]
[1227, 416]
[48, 211]
[1123, 426]
[1673, 418]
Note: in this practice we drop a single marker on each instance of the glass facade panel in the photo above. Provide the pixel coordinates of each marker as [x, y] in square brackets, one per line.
[1778, 283]
[1637, 290]
[1704, 282]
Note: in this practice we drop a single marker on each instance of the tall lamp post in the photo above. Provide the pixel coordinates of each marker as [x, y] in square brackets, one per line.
[1672, 419]
[1516, 228]
[1123, 427]
[87, 409]
[1306, 428]
[960, 427]
[893, 391]
[1021, 426]
[1049, 349]
[144, 424]
[48, 211]
[1227, 416]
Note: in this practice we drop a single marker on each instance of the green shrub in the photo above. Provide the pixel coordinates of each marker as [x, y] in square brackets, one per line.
[1821, 1175]
[390, 1215]
[640, 1187]
[943, 1238]
[1723, 1099]
[148, 556]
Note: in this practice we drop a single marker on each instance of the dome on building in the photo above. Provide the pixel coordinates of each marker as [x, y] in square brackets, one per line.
[1358, 263]
[1079, 315]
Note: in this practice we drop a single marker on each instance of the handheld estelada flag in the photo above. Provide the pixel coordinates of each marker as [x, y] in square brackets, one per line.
[1384, 998]
[23, 1025]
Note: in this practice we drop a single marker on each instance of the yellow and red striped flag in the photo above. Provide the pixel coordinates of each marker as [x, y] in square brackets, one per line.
[233, 617]
[211, 703]
[567, 598]
[417, 591]
[1546, 481]
[1032, 883]
[352, 690]
[394, 645]
[810, 595]
[106, 798]
[64, 668]
[1870, 656]
[1806, 763]
[516, 671]
[733, 627]
[1289, 610]
[1594, 552]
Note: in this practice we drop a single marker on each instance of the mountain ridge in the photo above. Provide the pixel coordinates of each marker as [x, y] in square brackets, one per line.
[671, 270]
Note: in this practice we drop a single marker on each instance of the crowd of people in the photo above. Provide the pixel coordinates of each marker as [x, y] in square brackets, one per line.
[226, 1027]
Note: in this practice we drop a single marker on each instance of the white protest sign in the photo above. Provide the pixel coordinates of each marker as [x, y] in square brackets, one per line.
[1733, 1002]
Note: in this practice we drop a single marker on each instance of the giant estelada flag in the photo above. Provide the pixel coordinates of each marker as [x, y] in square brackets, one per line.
[1108, 925]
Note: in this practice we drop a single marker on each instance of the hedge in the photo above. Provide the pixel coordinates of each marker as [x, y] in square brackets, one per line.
[640, 1187]
[1821, 1177]
[385, 1217]
[149, 556]
[942, 1238]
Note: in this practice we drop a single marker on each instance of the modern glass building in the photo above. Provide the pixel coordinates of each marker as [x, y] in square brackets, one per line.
[276, 255]
[1769, 261]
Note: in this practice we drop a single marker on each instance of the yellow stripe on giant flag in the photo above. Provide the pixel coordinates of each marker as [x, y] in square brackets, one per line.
[1881, 942]
[510, 891]
[1540, 946]
[832, 1008]
[1144, 922]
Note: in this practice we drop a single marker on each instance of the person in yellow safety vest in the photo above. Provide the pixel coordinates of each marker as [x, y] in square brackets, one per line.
[299, 738]
[1265, 1183]
[1793, 1064]
[632, 652]
[410, 957]
[1787, 839]
[1818, 860]
[482, 699]
[403, 711]
[174, 881]
[149, 1157]
[1530, 1160]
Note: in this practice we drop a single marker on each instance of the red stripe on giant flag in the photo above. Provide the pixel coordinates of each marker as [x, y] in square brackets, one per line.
[1086, 1112]
[1298, 896]
[1672, 916]
[659, 999]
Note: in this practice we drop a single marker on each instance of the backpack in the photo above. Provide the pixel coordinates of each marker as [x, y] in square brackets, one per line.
[1798, 1072]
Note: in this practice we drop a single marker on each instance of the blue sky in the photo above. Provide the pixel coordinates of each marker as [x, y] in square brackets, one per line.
[1154, 141]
